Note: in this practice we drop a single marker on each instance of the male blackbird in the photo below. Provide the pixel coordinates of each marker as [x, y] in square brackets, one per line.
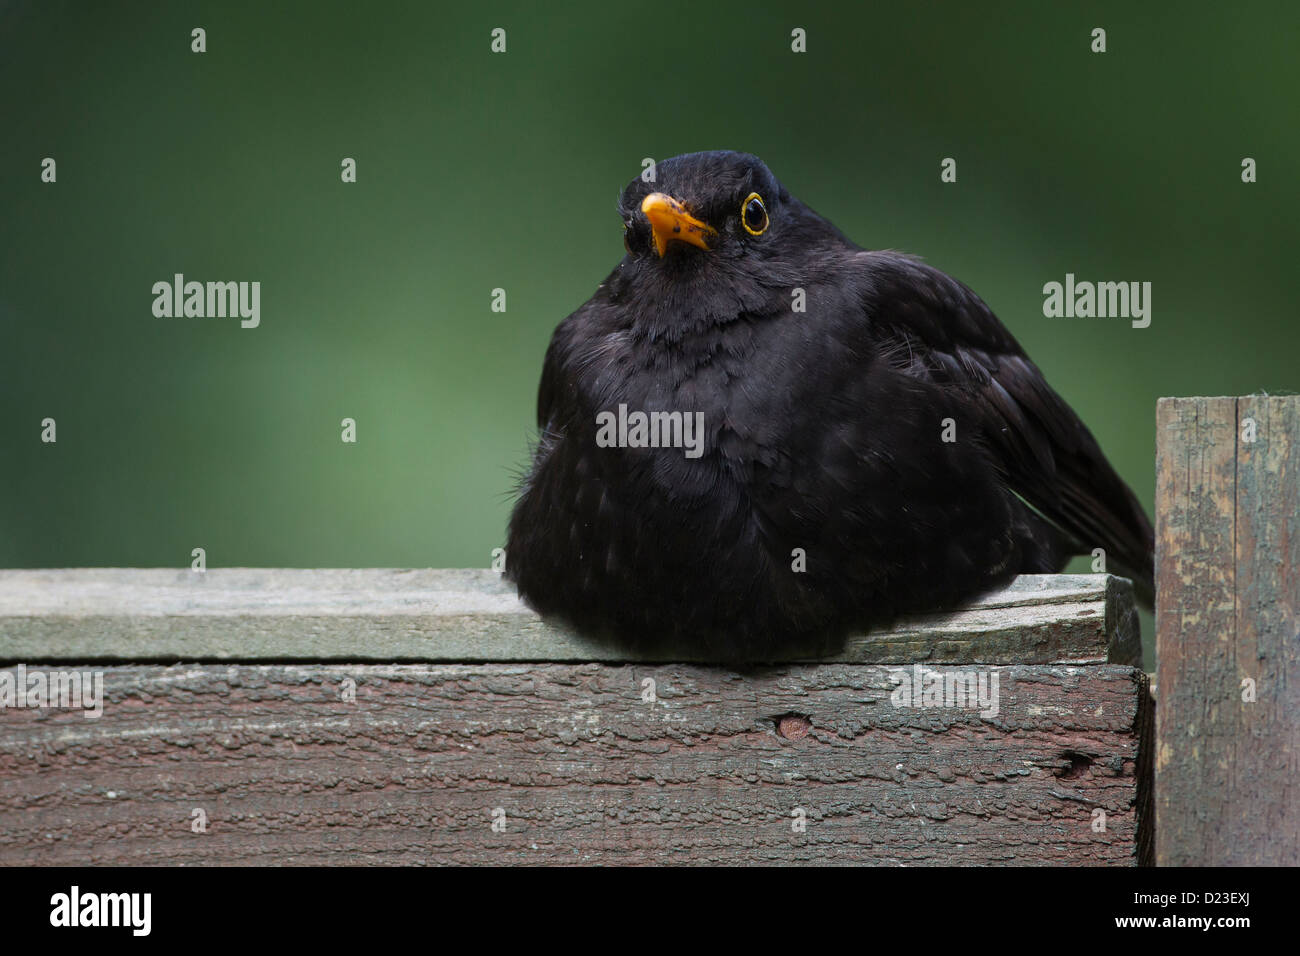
[874, 442]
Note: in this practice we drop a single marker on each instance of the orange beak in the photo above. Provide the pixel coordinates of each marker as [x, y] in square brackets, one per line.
[670, 221]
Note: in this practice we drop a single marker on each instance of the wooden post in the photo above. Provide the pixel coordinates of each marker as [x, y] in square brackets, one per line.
[498, 738]
[1228, 631]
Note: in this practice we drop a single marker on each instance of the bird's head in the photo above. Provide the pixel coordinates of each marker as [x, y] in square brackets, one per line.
[719, 202]
[714, 230]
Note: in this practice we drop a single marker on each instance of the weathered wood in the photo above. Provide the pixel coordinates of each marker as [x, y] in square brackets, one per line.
[106, 614]
[584, 769]
[1228, 619]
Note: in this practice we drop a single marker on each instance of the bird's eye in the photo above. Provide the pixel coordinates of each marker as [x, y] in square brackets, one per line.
[753, 215]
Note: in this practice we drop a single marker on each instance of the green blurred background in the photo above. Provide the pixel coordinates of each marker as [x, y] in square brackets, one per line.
[478, 171]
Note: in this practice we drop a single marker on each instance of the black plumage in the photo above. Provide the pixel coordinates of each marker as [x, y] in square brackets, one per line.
[823, 437]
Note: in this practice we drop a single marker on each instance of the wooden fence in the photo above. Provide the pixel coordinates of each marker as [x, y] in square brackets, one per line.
[511, 741]
[417, 716]
[1228, 630]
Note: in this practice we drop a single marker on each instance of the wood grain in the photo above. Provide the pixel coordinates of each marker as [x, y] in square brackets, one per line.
[1228, 589]
[506, 713]
[583, 768]
[388, 615]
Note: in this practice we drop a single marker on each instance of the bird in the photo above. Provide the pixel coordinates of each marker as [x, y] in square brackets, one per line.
[837, 438]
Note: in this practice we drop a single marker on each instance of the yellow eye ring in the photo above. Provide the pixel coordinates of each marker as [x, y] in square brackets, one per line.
[753, 215]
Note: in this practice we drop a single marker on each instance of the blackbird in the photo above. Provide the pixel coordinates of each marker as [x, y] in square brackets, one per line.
[757, 438]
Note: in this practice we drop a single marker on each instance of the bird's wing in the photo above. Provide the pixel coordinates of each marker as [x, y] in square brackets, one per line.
[940, 330]
[549, 388]
[557, 393]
